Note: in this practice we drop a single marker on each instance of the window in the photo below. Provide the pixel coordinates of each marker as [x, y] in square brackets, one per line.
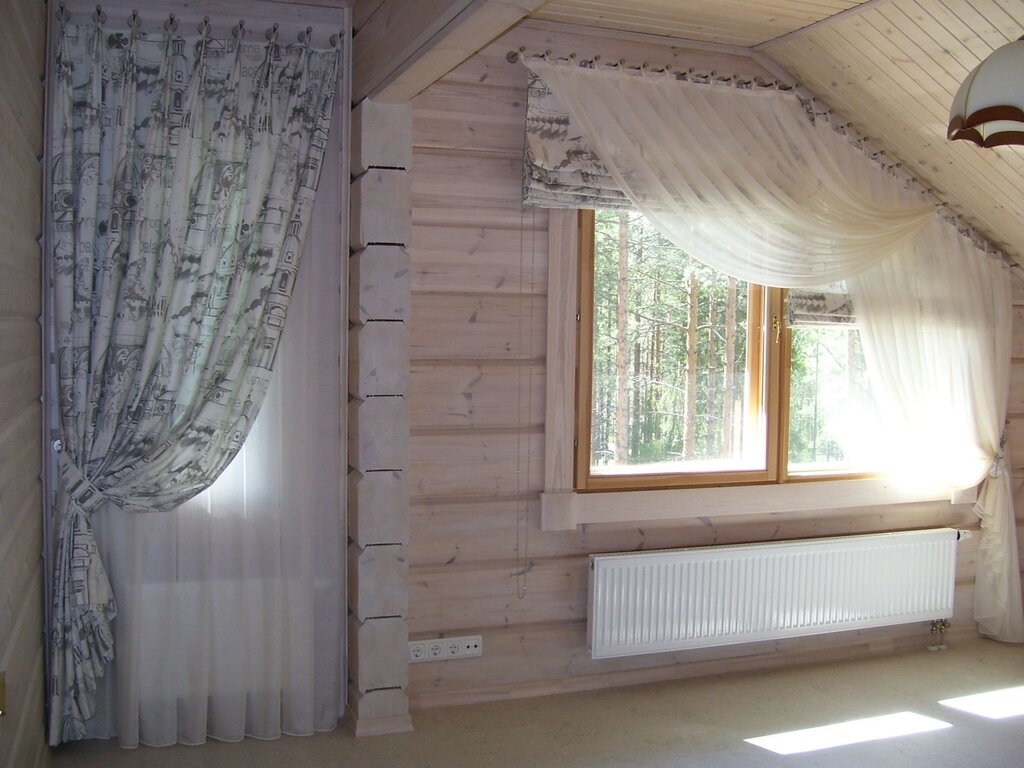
[688, 377]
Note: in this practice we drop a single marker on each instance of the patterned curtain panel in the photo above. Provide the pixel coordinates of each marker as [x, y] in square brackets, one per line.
[183, 173]
[561, 170]
[808, 307]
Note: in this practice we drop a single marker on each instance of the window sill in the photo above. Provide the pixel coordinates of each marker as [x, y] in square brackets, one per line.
[565, 510]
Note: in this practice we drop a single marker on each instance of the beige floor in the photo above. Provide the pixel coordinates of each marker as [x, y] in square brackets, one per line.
[678, 724]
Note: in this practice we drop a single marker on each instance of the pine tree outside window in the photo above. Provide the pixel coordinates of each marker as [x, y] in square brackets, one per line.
[689, 377]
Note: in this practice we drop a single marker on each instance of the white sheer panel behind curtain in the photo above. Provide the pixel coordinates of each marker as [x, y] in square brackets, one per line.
[233, 605]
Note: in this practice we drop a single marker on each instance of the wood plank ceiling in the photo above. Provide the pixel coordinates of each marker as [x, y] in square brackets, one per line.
[891, 67]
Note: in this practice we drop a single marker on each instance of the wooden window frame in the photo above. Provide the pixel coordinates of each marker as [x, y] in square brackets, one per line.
[565, 508]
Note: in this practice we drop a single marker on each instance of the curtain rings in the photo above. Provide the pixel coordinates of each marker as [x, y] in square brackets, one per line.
[99, 17]
[204, 27]
[134, 22]
[63, 17]
[306, 36]
[271, 34]
[238, 31]
[171, 25]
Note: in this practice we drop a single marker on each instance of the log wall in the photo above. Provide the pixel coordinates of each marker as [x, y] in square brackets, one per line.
[22, 48]
[478, 560]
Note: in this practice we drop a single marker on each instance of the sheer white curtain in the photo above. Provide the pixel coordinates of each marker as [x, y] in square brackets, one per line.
[233, 606]
[744, 181]
[935, 322]
[740, 180]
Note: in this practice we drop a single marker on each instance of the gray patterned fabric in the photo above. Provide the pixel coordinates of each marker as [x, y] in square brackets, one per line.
[183, 174]
[808, 307]
[561, 169]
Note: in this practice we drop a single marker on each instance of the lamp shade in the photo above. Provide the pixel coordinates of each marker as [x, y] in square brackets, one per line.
[989, 107]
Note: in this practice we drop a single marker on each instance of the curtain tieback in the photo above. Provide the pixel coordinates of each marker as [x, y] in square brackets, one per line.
[998, 467]
[80, 490]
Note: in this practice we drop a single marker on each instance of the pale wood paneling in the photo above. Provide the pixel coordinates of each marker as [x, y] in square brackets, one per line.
[738, 22]
[457, 532]
[893, 70]
[486, 180]
[478, 396]
[362, 10]
[22, 36]
[405, 45]
[22, 48]
[485, 118]
[474, 259]
[477, 327]
[476, 463]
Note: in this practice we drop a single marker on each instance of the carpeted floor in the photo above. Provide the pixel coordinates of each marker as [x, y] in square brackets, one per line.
[678, 724]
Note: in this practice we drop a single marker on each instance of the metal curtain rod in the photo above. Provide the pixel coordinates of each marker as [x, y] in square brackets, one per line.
[170, 26]
[816, 109]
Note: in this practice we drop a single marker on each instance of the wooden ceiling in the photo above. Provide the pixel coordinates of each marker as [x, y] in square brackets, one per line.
[732, 22]
[891, 67]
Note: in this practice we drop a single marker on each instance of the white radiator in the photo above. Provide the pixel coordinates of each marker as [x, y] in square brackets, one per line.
[672, 600]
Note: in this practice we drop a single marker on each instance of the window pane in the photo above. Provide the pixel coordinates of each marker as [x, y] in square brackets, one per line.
[673, 374]
[831, 413]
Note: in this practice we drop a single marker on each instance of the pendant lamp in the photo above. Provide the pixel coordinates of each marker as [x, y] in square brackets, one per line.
[988, 110]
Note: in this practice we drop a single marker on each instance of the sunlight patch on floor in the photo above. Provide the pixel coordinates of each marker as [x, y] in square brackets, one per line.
[849, 732]
[995, 705]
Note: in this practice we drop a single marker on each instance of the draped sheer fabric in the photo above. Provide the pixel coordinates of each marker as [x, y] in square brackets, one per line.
[935, 320]
[740, 179]
[746, 182]
[233, 605]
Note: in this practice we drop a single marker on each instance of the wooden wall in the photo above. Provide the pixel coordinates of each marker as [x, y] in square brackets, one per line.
[477, 338]
[22, 47]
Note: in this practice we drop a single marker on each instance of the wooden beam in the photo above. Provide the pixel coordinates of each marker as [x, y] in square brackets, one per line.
[405, 45]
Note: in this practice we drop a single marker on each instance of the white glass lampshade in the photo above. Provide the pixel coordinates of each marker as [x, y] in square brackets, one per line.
[989, 107]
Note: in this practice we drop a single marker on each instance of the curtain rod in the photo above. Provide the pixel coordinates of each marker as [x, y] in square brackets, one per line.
[690, 74]
[816, 109]
[170, 26]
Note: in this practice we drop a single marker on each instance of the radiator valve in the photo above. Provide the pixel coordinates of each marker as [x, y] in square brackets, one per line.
[939, 627]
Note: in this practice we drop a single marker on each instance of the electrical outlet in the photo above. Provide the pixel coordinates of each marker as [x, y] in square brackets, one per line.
[417, 650]
[473, 646]
[443, 648]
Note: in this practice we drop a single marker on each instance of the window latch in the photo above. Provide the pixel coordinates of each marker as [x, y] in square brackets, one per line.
[776, 327]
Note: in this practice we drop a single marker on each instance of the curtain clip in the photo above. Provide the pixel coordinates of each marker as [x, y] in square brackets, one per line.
[238, 32]
[134, 22]
[272, 34]
[306, 36]
[998, 468]
[99, 17]
[171, 25]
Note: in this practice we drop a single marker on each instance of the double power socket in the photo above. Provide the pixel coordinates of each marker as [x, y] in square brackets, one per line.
[442, 648]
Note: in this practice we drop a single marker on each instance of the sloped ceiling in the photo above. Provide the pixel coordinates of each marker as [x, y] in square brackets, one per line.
[891, 67]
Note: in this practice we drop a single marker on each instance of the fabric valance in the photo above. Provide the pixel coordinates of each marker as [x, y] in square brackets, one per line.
[742, 180]
[561, 168]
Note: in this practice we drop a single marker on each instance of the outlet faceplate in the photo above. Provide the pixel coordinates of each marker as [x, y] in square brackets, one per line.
[443, 648]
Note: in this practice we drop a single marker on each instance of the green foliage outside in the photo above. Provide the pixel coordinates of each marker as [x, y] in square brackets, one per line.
[678, 373]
